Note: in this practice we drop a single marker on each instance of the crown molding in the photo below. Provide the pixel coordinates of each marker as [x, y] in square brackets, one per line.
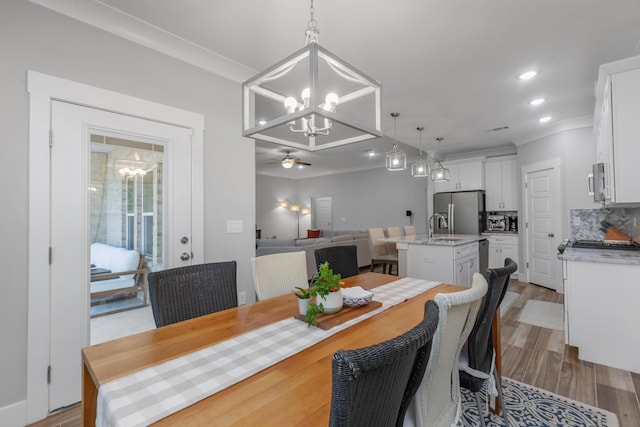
[114, 21]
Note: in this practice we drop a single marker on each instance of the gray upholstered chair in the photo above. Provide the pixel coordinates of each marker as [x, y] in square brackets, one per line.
[437, 401]
[183, 293]
[279, 274]
[409, 230]
[343, 260]
[372, 386]
[477, 359]
[379, 251]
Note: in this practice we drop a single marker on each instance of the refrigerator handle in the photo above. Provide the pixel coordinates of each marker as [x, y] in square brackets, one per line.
[452, 223]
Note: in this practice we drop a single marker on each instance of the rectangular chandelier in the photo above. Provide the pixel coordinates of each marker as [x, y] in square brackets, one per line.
[311, 100]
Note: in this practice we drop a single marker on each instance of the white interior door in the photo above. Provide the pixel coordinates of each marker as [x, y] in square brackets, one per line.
[542, 227]
[323, 213]
[71, 126]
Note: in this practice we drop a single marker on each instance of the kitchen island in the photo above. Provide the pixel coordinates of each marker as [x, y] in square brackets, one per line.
[443, 257]
[602, 290]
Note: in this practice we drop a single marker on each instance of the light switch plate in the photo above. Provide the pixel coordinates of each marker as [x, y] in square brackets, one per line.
[234, 226]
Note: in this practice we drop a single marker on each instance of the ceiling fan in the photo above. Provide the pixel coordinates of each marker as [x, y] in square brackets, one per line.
[288, 161]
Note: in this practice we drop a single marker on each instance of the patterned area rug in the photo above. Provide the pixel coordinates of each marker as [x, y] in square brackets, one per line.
[531, 406]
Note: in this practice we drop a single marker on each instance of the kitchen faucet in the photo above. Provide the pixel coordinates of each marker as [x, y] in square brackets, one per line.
[431, 225]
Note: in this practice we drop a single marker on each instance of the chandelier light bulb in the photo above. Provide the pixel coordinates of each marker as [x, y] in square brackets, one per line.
[290, 104]
[395, 162]
[305, 95]
[332, 100]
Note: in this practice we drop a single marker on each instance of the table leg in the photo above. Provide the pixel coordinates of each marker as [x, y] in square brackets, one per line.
[89, 398]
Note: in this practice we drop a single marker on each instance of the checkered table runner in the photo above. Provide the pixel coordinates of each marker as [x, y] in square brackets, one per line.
[151, 394]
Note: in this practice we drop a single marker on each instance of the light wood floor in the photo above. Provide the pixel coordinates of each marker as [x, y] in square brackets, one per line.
[532, 355]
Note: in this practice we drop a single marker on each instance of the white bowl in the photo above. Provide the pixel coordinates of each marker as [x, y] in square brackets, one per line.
[357, 301]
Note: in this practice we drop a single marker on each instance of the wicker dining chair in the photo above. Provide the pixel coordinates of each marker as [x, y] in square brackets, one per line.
[183, 293]
[279, 274]
[372, 386]
[477, 359]
[343, 260]
[437, 402]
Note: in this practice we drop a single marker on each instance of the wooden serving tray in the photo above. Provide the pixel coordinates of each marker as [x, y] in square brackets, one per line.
[328, 321]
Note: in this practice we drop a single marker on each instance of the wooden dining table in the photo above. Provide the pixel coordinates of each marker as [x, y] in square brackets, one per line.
[295, 391]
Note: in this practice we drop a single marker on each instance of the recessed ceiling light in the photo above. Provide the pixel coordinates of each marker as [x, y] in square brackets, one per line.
[372, 153]
[262, 122]
[536, 101]
[544, 119]
[300, 166]
[528, 75]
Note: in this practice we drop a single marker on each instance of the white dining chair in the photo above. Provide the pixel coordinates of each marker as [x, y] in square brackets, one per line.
[279, 274]
[438, 401]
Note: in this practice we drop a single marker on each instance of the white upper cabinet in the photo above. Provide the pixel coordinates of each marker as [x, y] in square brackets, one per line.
[462, 177]
[501, 182]
[617, 129]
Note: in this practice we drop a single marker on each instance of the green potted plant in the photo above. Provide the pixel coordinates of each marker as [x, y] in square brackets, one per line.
[304, 298]
[326, 290]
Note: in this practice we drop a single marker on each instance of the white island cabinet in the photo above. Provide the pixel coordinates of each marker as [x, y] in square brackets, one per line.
[447, 264]
[601, 307]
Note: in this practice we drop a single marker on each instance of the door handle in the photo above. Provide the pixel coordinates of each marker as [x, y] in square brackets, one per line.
[551, 235]
[185, 256]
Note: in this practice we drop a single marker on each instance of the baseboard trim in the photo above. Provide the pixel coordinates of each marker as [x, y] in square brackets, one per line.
[14, 415]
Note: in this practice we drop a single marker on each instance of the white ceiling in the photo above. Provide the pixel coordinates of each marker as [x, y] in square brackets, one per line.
[448, 65]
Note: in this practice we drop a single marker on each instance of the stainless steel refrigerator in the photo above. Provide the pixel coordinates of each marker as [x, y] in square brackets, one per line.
[462, 212]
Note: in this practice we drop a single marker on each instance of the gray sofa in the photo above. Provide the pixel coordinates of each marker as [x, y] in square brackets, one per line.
[328, 238]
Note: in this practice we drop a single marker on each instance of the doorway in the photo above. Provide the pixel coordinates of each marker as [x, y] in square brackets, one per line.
[543, 226]
[67, 114]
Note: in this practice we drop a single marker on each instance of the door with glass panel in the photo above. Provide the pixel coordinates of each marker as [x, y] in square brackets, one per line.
[123, 183]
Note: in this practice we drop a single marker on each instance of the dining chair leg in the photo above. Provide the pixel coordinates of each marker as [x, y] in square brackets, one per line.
[504, 407]
[480, 411]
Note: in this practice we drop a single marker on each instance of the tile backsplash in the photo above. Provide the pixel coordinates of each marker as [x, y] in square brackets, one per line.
[585, 223]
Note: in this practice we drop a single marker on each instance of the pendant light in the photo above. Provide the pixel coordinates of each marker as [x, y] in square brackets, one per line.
[396, 160]
[420, 168]
[439, 174]
[311, 100]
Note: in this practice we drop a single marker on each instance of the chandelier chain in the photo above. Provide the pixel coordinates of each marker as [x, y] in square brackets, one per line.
[312, 27]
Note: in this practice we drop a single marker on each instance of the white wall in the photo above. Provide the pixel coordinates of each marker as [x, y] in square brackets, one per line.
[35, 38]
[272, 219]
[363, 199]
[577, 152]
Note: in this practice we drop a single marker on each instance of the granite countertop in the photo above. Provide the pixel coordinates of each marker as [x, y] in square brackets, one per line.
[609, 256]
[437, 239]
[499, 233]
